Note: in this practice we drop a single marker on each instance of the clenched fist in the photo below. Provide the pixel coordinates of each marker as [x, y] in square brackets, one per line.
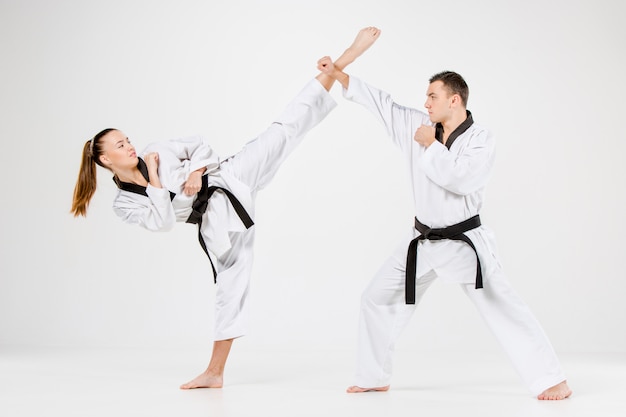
[425, 135]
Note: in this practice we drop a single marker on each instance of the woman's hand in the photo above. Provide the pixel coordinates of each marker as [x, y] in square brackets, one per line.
[194, 182]
[152, 162]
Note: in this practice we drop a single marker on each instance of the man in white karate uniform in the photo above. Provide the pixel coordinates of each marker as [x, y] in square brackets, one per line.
[449, 159]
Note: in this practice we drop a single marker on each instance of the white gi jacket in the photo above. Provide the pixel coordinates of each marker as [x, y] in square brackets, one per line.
[447, 185]
[156, 212]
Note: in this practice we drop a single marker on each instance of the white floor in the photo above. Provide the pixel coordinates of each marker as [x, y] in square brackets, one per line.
[136, 382]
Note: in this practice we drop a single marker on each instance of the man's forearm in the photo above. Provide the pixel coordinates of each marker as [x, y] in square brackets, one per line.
[342, 77]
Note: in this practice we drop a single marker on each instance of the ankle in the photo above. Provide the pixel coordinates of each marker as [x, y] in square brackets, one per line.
[346, 58]
[216, 371]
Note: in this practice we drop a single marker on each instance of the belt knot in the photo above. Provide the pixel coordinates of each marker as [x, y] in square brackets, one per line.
[454, 232]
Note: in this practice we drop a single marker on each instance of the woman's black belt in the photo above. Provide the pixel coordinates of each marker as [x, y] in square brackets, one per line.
[200, 205]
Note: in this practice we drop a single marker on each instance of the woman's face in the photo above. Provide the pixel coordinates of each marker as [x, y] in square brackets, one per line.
[117, 152]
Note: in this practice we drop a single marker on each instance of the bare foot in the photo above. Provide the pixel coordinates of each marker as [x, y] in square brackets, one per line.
[354, 389]
[558, 392]
[204, 380]
[364, 39]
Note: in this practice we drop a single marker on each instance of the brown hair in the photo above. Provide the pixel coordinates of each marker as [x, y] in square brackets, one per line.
[86, 182]
[454, 83]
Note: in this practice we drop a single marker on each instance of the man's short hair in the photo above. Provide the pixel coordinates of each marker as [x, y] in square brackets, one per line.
[454, 83]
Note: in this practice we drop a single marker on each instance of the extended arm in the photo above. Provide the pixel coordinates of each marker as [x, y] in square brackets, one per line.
[364, 39]
[400, 122]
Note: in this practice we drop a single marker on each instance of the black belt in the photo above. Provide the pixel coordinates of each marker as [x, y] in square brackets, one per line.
[454, 232]
[200, 205]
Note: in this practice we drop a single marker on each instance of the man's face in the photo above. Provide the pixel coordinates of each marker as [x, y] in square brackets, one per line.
[438, 102]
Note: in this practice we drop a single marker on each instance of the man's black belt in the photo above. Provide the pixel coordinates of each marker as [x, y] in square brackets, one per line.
[454, 232]
[200, 205]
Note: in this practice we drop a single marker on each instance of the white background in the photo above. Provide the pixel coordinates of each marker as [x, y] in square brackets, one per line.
[545, 76]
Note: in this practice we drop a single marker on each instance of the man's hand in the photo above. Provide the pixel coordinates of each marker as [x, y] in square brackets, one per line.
[326, 66]
[425, 135]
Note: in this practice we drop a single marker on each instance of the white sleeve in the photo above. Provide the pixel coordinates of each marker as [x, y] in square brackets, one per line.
[154, 212]
[195, 150]
[399, 121]
[466, 172]
[199, 154]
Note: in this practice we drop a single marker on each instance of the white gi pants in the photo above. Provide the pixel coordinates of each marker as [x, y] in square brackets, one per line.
[384, 315]
[255, 165]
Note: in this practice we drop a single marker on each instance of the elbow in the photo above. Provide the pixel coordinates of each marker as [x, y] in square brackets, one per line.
[159, 223]
[164, 225]
[462, 191]
[462, 186]
[464, 180]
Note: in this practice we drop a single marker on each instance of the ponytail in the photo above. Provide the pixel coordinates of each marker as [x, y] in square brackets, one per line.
[86, 182]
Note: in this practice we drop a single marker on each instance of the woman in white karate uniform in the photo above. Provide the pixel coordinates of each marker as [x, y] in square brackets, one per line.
[183, 180]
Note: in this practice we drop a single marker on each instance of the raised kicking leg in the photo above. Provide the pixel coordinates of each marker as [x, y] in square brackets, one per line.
[257, 163]
[249, 168]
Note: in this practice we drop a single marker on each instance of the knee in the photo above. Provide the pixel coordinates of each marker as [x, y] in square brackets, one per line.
[366, 297]
[376, 297]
